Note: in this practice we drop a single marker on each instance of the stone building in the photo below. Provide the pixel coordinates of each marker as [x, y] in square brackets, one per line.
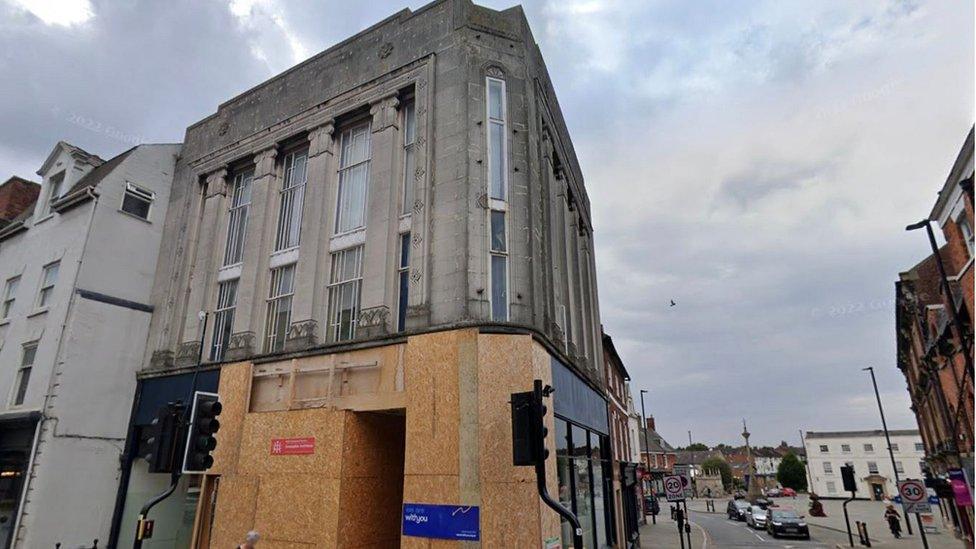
[387, 240]
[935, 358]
[867, 452]
[76, 270]
[627, 492]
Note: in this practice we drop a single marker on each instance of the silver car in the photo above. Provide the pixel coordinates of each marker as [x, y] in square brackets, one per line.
[756, 517]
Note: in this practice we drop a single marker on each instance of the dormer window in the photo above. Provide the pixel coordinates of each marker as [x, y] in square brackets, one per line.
[54, 190]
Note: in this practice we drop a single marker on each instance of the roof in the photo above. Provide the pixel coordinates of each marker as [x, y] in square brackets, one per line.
[955, 176]
[657, 443]
[696, 457]
[91, 179]
[611, 351]
[77, 152]
[856, 434]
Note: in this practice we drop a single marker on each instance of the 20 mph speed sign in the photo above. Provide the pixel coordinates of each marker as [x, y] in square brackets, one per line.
[914, 498]
[673, 488]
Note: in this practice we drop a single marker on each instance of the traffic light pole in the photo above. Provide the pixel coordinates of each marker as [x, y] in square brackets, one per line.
[177, 471]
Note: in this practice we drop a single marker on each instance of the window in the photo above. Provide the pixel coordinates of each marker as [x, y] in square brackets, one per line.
[497, 192]
[919, 447]
[223, 318]
[499, 267]
[344, 291]
[827, 467]
[831, 487]
[873, 467]
[240, 206]
[894, 447]
[409, 162]
[24, 372]
[292, 200]
[899, 468]
[846, 448]
[137, 201]
[403, 278]
[823, 448]
[497, 165]
[9, 296]
[279, 307]
[869, 447]
[967, 232]
[353, 179]
[48, 279]
[54, 190]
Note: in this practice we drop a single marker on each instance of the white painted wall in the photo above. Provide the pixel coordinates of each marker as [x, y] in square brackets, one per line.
[831, 485]
[88, 352]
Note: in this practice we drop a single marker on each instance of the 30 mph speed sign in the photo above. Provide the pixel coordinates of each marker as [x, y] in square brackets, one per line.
[914, 498]
[673, 488]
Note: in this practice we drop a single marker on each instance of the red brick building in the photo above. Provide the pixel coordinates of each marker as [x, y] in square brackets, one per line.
[935, 356]
[17, 195]
[626, 488]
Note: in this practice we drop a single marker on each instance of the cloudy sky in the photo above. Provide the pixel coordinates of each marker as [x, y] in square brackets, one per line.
[777, 149]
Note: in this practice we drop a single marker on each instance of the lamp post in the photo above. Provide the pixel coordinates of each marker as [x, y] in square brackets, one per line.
[646, 447]
[891, 453]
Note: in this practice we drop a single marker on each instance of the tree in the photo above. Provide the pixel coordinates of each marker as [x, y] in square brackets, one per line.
[792, 473]
[714, 463]
[697, 447]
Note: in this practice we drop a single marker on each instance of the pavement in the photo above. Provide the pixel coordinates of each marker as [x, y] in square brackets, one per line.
[664, 534]
[826, 532]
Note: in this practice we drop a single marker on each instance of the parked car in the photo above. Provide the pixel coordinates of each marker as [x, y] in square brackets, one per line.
[785, 522]
[737, 509]
[756, 517]
[789, 493]
[764, 503]
[774, 493]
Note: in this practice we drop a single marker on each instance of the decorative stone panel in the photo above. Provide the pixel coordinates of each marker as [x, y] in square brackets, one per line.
[161, 360]
[373, 321]
[301, 335]
[240, 346]
[188, 354]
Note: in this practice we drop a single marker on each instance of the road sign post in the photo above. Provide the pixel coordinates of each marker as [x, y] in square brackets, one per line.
[674, 490]
[915, 499]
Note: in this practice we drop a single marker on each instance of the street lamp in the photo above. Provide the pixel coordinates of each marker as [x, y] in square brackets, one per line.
[647, 449]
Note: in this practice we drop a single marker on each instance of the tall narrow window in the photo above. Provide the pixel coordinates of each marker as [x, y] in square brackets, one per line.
[353, 179]
[873, 467]
[967, 233]
[48, 279]
[9, 296]
[292, 200]
[497, 159]
[54, 190]
[279, 307]
[497, 193]
[344, 292]
[24, 373]
[137, 201]
[240, 206]
[409, 164]
[499, 267]
[223, 318]
[403, 278]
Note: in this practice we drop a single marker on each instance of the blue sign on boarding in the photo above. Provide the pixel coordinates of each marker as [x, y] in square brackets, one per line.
[441, 521]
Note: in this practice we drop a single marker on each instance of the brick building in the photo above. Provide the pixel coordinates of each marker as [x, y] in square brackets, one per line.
[626, 488]
[935, 357]
[17, 195]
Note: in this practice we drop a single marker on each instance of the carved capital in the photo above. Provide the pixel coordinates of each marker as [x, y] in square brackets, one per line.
[320, 139]
[384, 112]
[264, 162]
[301, 335]
[241, 345]
[217, 183]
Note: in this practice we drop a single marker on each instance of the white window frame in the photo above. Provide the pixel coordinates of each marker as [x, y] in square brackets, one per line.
[899, 467]
[335, 288]
[967, 233]
[43, 301]
[824, 449]
[277, 296]
[869, 448]
[409, 150]
[9, 296]
[875, 470]
[919, 447]
[894, 446]
[237, 217]
[289, 193]
[828, 468]
[22, 380]
[403, 279]
[845, 448]
[223, 318]
[343, 169]
[497, 204]
[54, 190]
[140, 194]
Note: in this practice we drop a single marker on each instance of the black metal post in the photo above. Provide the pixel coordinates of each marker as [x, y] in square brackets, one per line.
[680, 519]
[687, 523]
[847, 520]
[645, 451]
[884, 425]
[921, 529]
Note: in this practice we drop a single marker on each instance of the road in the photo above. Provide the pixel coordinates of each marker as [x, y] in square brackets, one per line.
[722, 532]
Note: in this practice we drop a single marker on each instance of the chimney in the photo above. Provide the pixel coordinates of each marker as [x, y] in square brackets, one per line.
[16, 195]
[650, 423]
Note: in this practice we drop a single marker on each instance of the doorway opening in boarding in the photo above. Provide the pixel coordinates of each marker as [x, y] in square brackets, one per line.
[371, 496]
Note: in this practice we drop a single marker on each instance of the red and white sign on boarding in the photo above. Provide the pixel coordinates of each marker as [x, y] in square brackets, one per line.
[292, 446]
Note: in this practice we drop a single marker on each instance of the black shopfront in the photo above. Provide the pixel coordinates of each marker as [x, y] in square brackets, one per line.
[583, 458]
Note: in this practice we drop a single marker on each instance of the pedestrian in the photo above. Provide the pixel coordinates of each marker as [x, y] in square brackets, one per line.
[894, 521]
[250, 540]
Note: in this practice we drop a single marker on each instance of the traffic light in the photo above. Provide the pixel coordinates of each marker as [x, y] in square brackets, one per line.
[847, 475]
[164, 438]
[529, 430]
[203, 425]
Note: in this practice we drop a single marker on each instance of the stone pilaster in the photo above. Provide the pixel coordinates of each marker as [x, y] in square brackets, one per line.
[418, 310]
[253, 286]
[310, 282]
[382, 220]
[203, 267]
